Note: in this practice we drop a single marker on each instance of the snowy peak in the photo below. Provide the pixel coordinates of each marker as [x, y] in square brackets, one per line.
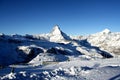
[57, 35]
[56, 30]
[106, 31]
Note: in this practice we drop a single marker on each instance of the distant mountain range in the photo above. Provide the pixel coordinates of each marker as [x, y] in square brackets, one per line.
[57, 46]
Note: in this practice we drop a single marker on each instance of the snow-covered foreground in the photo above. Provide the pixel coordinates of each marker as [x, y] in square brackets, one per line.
[99, 69]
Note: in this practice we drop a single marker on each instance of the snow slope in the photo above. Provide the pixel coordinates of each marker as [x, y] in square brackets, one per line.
[107, 69]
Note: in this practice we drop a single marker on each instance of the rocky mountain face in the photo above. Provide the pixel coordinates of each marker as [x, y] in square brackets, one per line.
[57, 46]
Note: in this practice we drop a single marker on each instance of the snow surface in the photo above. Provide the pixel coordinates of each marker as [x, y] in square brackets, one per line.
[99, 69]
[56, 56]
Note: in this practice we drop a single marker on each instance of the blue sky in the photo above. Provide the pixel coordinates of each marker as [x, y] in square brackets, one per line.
[75, 17]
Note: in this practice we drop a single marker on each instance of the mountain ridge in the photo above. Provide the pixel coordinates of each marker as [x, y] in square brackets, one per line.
[38, 57]
[59, 45]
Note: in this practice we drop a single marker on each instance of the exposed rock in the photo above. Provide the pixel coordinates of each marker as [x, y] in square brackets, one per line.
[28, 53]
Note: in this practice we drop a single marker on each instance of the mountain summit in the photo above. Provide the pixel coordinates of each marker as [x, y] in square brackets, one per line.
[57, 35]
[106, 31]
[56, 30]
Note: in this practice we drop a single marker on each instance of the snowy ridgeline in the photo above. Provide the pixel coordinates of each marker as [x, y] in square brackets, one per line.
[57, 56]
[57, 46]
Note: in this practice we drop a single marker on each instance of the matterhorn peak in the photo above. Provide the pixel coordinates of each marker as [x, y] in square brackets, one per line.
[56, 27]
[106, 31]
[56, 30]
[58, 35]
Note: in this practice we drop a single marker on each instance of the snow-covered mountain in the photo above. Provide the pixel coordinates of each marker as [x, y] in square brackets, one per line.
[21, 49]
[106, 40]
[56, 35]
[55, 56]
